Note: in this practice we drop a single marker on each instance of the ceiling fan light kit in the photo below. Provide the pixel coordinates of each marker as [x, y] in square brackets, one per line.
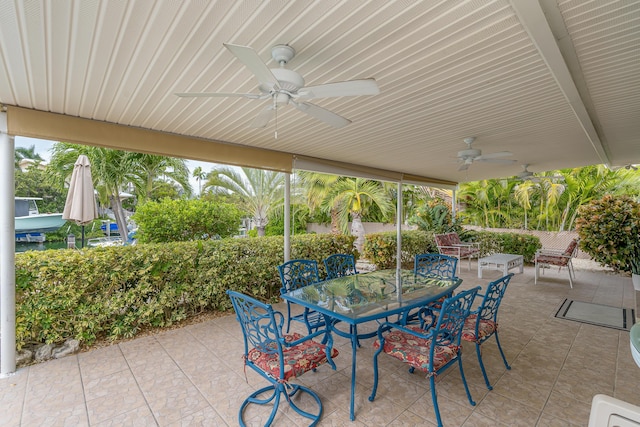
[287, 87]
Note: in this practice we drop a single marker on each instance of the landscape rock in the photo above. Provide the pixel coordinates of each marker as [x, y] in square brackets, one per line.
[44, 352]
[69, 347]
[24, 357]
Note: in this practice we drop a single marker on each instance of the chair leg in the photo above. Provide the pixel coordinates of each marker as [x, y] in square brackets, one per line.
[572, 273]
[464, 381]
[275, 396]
[484, 372]
[434, 399]
[504, 359]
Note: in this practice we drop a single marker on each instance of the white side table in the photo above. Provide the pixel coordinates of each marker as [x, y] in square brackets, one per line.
[500, 262]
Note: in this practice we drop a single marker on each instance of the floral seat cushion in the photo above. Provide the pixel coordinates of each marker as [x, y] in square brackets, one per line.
[298, 359]
[485, 329]
[415, 351]
[557, 260]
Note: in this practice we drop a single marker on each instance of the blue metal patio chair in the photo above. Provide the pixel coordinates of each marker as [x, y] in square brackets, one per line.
[296, 274]
[339, 265]
[278, 357]
[432, 350]
[482, 323]
[430, 264]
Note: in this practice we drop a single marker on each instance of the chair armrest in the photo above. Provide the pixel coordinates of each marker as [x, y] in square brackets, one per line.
[389, 325]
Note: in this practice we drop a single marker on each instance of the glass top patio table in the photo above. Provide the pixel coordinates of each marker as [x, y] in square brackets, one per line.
[370, 296]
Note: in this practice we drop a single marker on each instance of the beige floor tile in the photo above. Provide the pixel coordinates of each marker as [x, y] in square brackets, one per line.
[112, 395]
[567, 408]
[137, 417]
[507, 411]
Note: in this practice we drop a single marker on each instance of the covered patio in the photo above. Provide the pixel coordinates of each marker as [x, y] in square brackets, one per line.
[194, 375]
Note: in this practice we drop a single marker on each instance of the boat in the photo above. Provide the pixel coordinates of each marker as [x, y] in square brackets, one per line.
[31, 224]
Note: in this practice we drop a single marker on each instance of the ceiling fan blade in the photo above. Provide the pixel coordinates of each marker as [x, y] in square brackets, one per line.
[321, 114]
[263, 117]
[252, 61]
[497, 155]
[492, 160]
[220, 95]
[348, 88]
[464, 166]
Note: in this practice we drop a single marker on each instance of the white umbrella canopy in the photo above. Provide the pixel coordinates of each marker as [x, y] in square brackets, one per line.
[81, 202]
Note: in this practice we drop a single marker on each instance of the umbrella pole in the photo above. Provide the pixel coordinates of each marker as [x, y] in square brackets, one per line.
[82, 238]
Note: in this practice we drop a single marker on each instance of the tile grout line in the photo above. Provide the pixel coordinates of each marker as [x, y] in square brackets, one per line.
[138, 384]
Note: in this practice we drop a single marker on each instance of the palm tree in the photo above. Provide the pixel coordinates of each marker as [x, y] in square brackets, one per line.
[199, 175]
[316, 188]
[150, 167]
[352, 197]
[260, 191]
[22, 153]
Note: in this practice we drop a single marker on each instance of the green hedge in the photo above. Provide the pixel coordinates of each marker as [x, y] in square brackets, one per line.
[114, 292]
[508, 243]
[380, 248]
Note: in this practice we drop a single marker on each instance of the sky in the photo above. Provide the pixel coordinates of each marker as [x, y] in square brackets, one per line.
[43, 147]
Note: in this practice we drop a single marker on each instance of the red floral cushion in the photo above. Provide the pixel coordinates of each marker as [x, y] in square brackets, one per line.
[415, 351]
[297, 359]
[486, 328]
[560, 261]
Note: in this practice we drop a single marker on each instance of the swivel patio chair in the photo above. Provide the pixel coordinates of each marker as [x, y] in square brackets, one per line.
[450, 244]
[557, 257]
[482, 323]
[296, 274]
[431, 350]
[277, 357]
[339, 265]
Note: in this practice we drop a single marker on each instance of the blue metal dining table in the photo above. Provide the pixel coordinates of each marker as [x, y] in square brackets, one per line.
[367, 297]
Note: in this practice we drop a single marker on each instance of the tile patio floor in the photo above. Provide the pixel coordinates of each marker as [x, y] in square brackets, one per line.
[194, 375]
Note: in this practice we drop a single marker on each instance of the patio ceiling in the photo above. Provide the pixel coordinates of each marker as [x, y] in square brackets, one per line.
[557, 83]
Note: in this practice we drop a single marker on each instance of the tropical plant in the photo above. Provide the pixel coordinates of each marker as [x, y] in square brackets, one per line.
[185, 219]
[609, 230]
[316, 189]
[153, 171]
[22, 153]
[259, 190]
[434, 216]
[199, 174]
[352, 197]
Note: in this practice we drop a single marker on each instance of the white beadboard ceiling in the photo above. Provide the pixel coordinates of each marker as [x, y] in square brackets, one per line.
[555, 82]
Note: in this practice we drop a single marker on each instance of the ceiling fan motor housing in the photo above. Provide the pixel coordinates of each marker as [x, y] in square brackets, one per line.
[469, 153]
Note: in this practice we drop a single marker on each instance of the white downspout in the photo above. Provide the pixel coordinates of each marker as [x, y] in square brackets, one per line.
[7, 253]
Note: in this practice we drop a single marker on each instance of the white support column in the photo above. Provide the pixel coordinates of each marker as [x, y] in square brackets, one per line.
[287, 217]
[399, 228]
[453, 205]
[7, 253]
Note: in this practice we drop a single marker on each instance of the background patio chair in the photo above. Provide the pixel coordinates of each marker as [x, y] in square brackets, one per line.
[277, 357]
[296, 274]
[339, 265]
[432, 350]
[557, 257]
[450, 244]
[482, 323]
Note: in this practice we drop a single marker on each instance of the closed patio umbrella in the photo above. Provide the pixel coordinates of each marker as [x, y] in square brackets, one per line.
[81, 202]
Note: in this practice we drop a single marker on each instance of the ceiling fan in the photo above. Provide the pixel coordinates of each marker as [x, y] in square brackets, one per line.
[470, 155]
[282, 86]
[527, 175]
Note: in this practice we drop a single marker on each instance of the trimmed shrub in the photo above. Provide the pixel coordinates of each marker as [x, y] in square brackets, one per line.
[114, 292]
[609, 232]
[181, 220]
[507, 243]
[380, 248]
